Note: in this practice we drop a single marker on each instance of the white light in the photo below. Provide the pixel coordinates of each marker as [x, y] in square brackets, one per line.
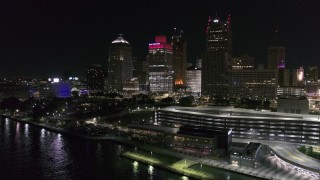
[56, 80]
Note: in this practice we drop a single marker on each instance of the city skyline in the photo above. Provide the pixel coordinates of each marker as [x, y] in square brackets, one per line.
[44, 39]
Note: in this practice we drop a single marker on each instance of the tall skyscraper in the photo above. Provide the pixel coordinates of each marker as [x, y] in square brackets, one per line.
[119, 63]
[215, 59]
[95, 75]
[179, 46]
[276, 55]
[160, 65]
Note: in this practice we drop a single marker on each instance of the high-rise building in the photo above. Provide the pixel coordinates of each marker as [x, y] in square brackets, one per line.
[312, 73]
[242, 62]
[284, 77]
[119, 64]
[193, 79]
[298, 77]
[254, 83]
[160, 65]
[179, 46]
[276, 55]
[215, 59]
[95, 76]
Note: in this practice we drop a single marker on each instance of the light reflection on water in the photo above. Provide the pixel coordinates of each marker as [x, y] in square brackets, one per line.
[36, 153]
[150, 171]
[135, 168]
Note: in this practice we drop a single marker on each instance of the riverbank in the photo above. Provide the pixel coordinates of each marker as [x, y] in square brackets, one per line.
[220, 164]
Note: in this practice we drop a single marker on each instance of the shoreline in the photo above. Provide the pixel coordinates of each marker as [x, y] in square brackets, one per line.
[127, 142]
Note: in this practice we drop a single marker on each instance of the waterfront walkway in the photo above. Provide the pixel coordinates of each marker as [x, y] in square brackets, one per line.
[277, 169]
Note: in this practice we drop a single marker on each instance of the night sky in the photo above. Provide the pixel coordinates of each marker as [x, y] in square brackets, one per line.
[40, 38]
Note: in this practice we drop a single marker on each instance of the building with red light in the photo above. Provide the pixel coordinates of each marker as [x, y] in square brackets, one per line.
[119, 64]
[216, 58]
[160, 66]
[179, 46]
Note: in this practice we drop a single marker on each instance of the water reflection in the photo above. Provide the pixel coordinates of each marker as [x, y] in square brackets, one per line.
[150, 171]
[42, 136]
[185, 178]
[135, 168]
[17, 128]
[6, 123]
[26, 130]
[57, 151]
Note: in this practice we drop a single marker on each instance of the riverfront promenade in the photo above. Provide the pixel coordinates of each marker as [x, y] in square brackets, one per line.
[279, 171]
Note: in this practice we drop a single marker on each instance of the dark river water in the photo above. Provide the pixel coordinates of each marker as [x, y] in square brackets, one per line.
[28, 152]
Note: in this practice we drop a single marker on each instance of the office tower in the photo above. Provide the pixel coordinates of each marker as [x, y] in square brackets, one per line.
[215, 59]
[95, 75]
[140, 73]
[312, 83]
[312, 73]
[242, 62]
[179, 51]
[193, 79]
[298, 77]
[199, 63]
[160, 65]
[276, 55]
[284, 77]
[253, 83]
[119, 64]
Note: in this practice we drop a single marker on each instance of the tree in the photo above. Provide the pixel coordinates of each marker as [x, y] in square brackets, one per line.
[309, 151]
[11, 103]
[185, 101]
[266, 104]
[303, 149]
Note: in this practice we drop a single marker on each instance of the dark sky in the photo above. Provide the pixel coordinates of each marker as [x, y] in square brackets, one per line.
[45, 37]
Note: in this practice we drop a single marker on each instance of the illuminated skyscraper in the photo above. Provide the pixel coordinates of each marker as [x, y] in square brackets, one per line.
[119, 64]
[276, 55]
[179, 46]
[160, 66]
[215, 60]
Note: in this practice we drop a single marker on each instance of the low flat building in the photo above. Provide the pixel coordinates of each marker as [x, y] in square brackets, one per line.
[187, 140]
[245, 124]
[293, 104]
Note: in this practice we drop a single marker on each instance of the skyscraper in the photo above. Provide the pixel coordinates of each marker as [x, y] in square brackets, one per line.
[160, 66]
[276, 55]
[95, 75]
[179, 46]
[215, 59]
[119, 63]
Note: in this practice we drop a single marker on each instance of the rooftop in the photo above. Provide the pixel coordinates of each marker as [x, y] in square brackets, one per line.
[238, 113]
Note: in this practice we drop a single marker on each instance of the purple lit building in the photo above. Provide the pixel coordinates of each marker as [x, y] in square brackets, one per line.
[160, 68]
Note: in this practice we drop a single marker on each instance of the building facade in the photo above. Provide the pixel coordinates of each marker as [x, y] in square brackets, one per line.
[179, 49]
[215, 59]
[95, 76]
[193, 79]
[276, 55]
[256, 126]
[254, 83]
[119, 64]
[160, 66]
[242, 62]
